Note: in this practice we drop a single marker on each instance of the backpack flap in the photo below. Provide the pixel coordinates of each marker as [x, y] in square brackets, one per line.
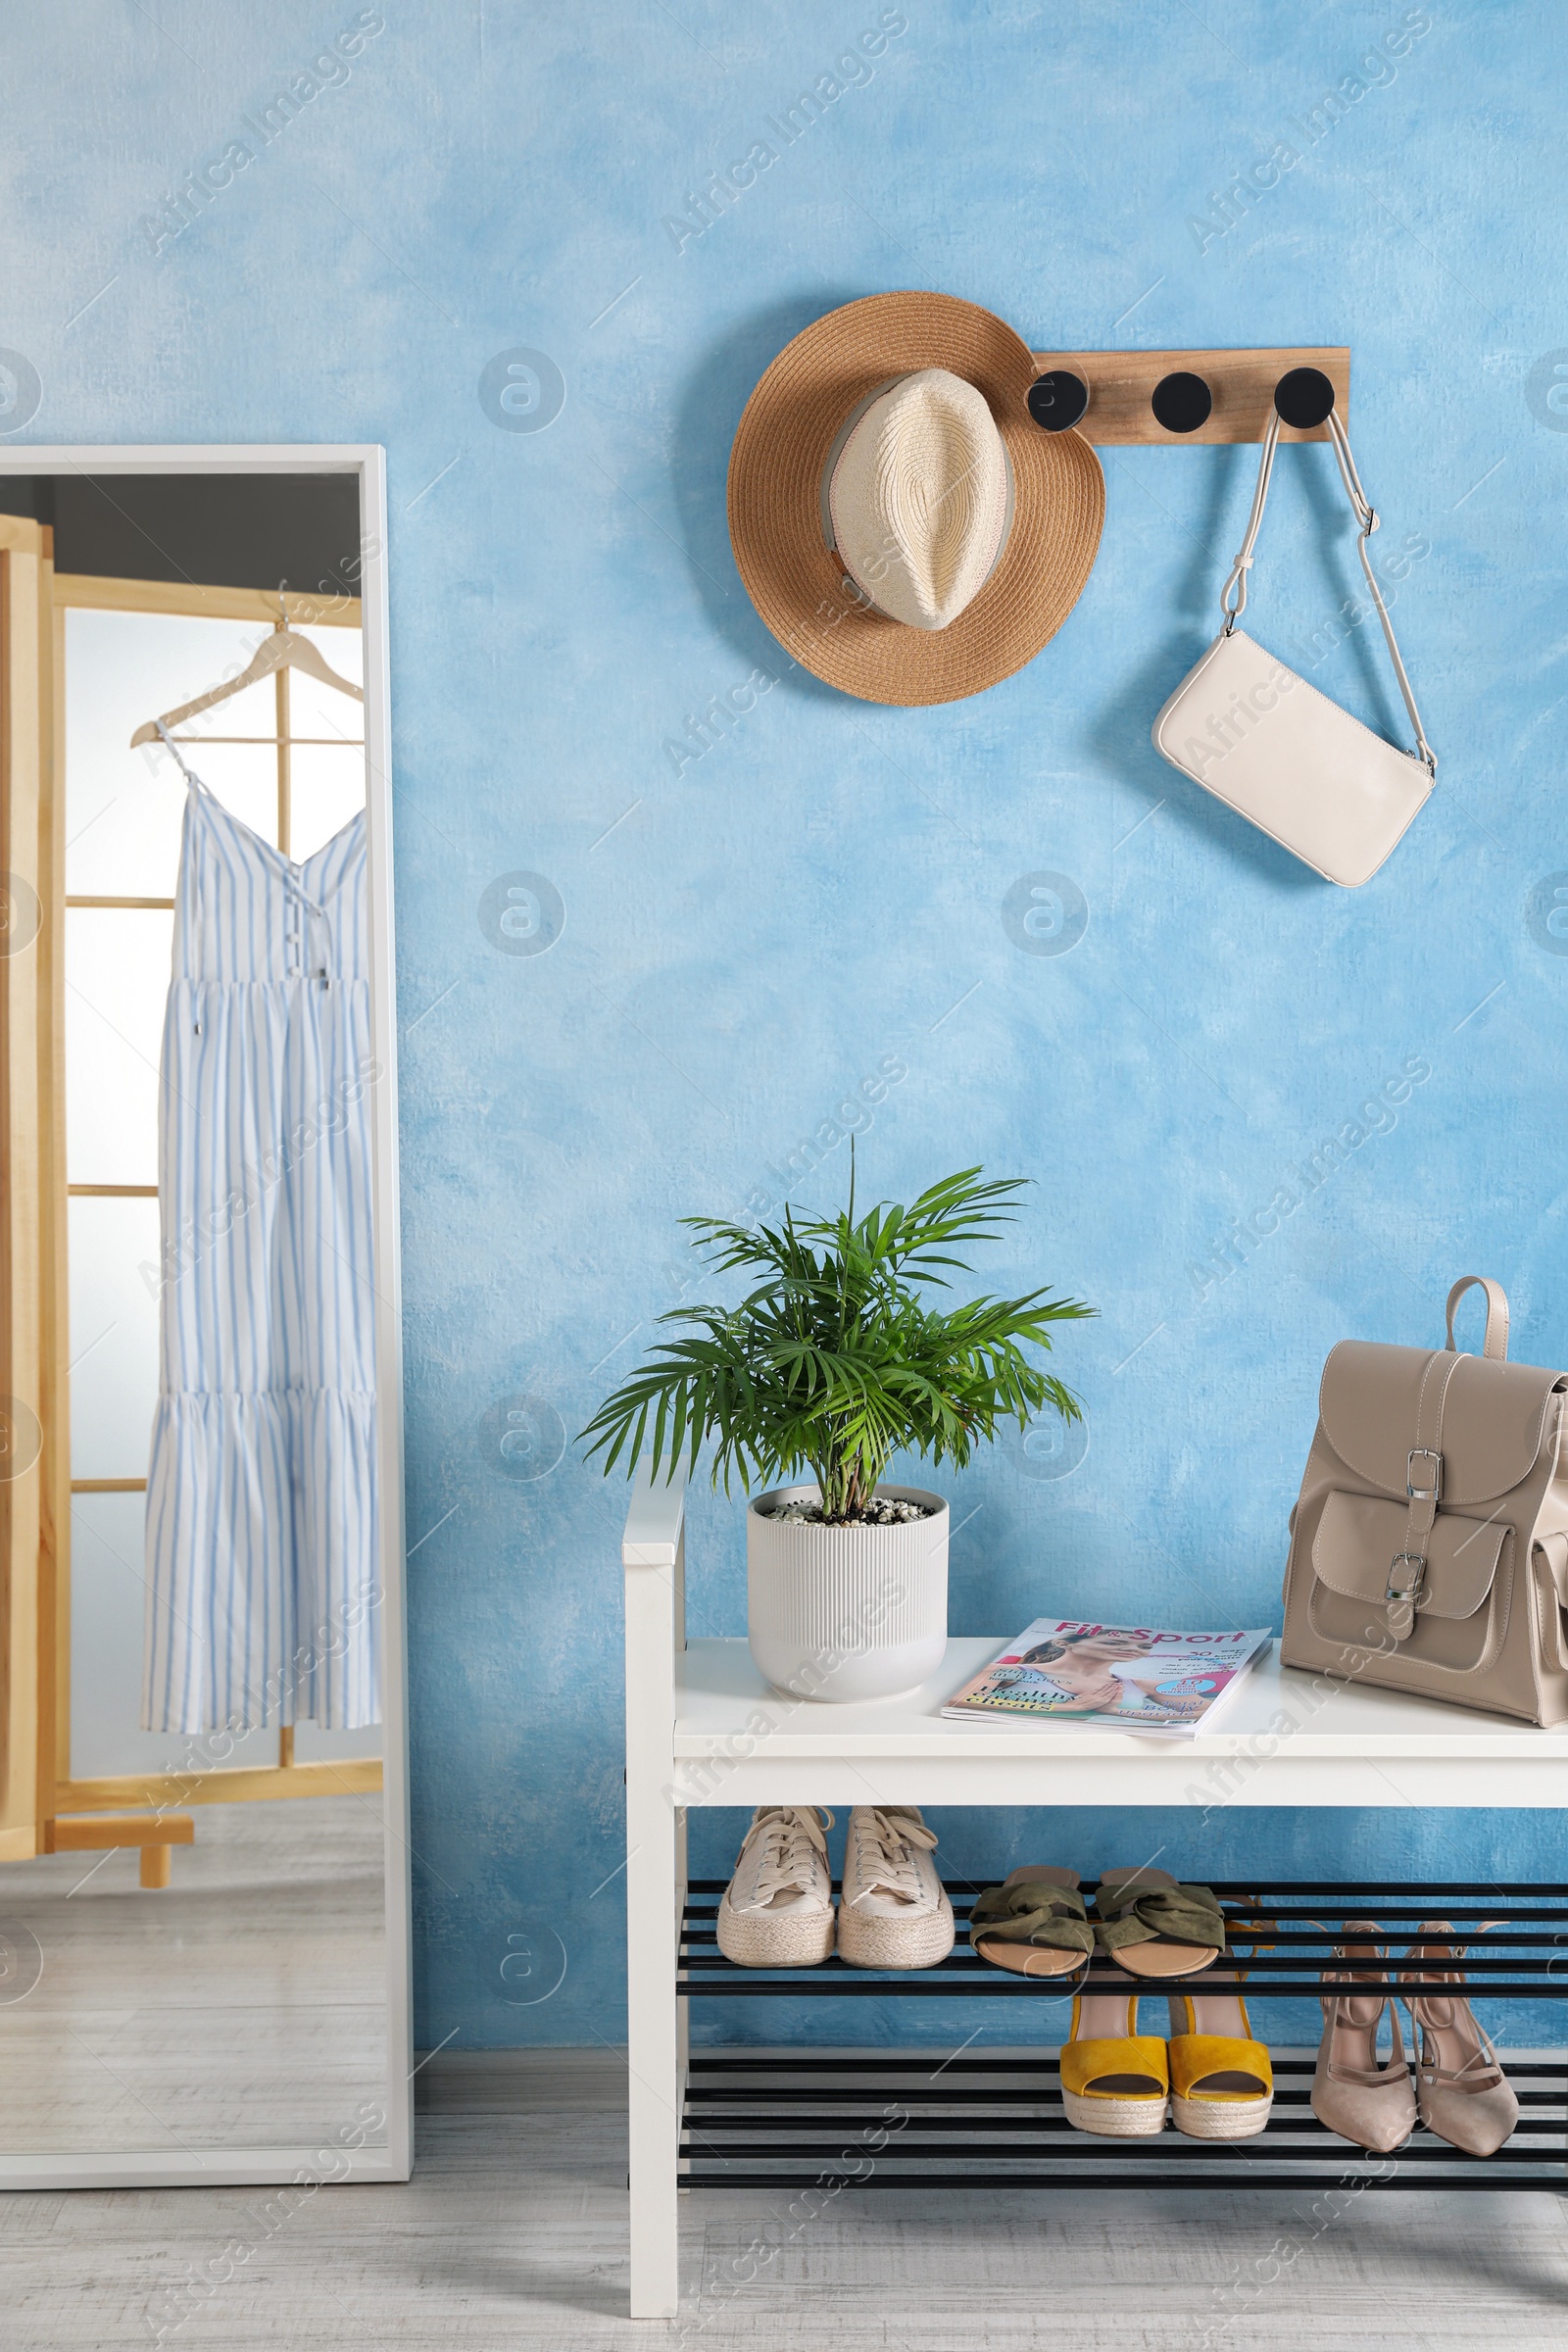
[1495, 1418]
[1357, 1543]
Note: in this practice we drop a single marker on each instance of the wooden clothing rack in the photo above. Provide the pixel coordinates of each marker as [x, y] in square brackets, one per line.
[1117, 398]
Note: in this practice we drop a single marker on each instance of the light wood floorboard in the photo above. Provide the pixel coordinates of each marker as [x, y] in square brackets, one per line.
[513, 2232]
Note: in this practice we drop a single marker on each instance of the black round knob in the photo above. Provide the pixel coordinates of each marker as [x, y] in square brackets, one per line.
[1181, 401]
[1058, 399]
[1303, 397]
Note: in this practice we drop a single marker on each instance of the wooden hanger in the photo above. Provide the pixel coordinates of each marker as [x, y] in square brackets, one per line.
[285, 648]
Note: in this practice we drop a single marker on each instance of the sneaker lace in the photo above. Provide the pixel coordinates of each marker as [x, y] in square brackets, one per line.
[889, 1867]
[790, 1835]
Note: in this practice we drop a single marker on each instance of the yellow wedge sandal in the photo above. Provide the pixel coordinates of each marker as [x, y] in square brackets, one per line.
[1115, 2081]
[1221, 2080]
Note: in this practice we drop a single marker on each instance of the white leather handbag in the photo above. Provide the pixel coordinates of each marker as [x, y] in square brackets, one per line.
[1246, 727]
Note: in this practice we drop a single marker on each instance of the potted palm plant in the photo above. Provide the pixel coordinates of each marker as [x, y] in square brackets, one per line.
[838, 1359]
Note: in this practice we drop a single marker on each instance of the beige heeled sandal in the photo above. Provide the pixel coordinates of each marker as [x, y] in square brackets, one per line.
[1461, 2091]
[1371, 2105]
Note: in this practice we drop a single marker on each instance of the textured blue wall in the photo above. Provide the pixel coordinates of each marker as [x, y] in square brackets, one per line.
[817, 900]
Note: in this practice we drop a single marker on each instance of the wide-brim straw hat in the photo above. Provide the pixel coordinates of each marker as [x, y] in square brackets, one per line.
[794, 424]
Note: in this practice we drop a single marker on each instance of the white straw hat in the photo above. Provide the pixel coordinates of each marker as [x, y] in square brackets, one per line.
[919, 498]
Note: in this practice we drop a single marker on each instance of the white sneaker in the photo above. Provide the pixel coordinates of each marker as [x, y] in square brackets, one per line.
[893, 1911]
[777, 1910]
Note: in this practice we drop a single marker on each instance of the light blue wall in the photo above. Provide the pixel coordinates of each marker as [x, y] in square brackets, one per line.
[821, 897]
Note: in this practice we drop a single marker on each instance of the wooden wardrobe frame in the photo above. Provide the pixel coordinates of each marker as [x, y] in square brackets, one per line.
[28, 1373]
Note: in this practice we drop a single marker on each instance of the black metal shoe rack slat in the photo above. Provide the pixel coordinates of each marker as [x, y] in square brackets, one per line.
[913, 2119]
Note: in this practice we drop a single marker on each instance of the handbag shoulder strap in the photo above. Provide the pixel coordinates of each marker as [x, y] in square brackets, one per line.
[1233, 598]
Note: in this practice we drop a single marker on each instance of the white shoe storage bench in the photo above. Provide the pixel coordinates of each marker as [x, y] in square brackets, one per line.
[704, 1728]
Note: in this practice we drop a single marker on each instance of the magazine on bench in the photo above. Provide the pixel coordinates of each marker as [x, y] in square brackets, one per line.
[1124, 1678]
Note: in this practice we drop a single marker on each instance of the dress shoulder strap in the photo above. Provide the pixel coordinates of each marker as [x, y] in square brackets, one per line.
[189, 774]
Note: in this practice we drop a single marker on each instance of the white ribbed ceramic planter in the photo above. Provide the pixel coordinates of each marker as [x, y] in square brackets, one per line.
[845, 1612]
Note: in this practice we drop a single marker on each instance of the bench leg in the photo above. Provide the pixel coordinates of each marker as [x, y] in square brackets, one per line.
[654, 1891]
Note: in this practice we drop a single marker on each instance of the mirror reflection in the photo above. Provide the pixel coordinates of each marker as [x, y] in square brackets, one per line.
[192, 1883]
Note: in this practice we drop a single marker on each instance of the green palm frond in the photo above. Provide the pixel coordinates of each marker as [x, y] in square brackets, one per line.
[836, 1360]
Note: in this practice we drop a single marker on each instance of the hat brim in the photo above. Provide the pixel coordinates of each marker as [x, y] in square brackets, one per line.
[775, 519]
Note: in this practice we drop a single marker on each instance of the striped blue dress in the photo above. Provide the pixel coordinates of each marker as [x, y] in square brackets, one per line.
[261, 1585]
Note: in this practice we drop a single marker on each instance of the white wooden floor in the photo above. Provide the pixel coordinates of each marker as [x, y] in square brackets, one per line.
[513, 2232]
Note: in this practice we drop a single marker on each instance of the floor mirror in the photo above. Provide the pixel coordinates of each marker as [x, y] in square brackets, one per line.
[204, 1857]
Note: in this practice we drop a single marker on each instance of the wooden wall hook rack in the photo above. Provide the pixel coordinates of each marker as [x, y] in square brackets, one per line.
[1121, 387]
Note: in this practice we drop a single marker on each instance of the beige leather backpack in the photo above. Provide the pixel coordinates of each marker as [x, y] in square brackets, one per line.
[1429, 1546]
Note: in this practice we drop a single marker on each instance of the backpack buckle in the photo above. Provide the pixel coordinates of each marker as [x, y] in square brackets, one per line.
[1416, 1491]
[1415, 1567]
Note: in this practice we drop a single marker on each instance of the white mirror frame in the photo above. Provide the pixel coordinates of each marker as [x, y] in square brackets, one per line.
[304, 2164]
